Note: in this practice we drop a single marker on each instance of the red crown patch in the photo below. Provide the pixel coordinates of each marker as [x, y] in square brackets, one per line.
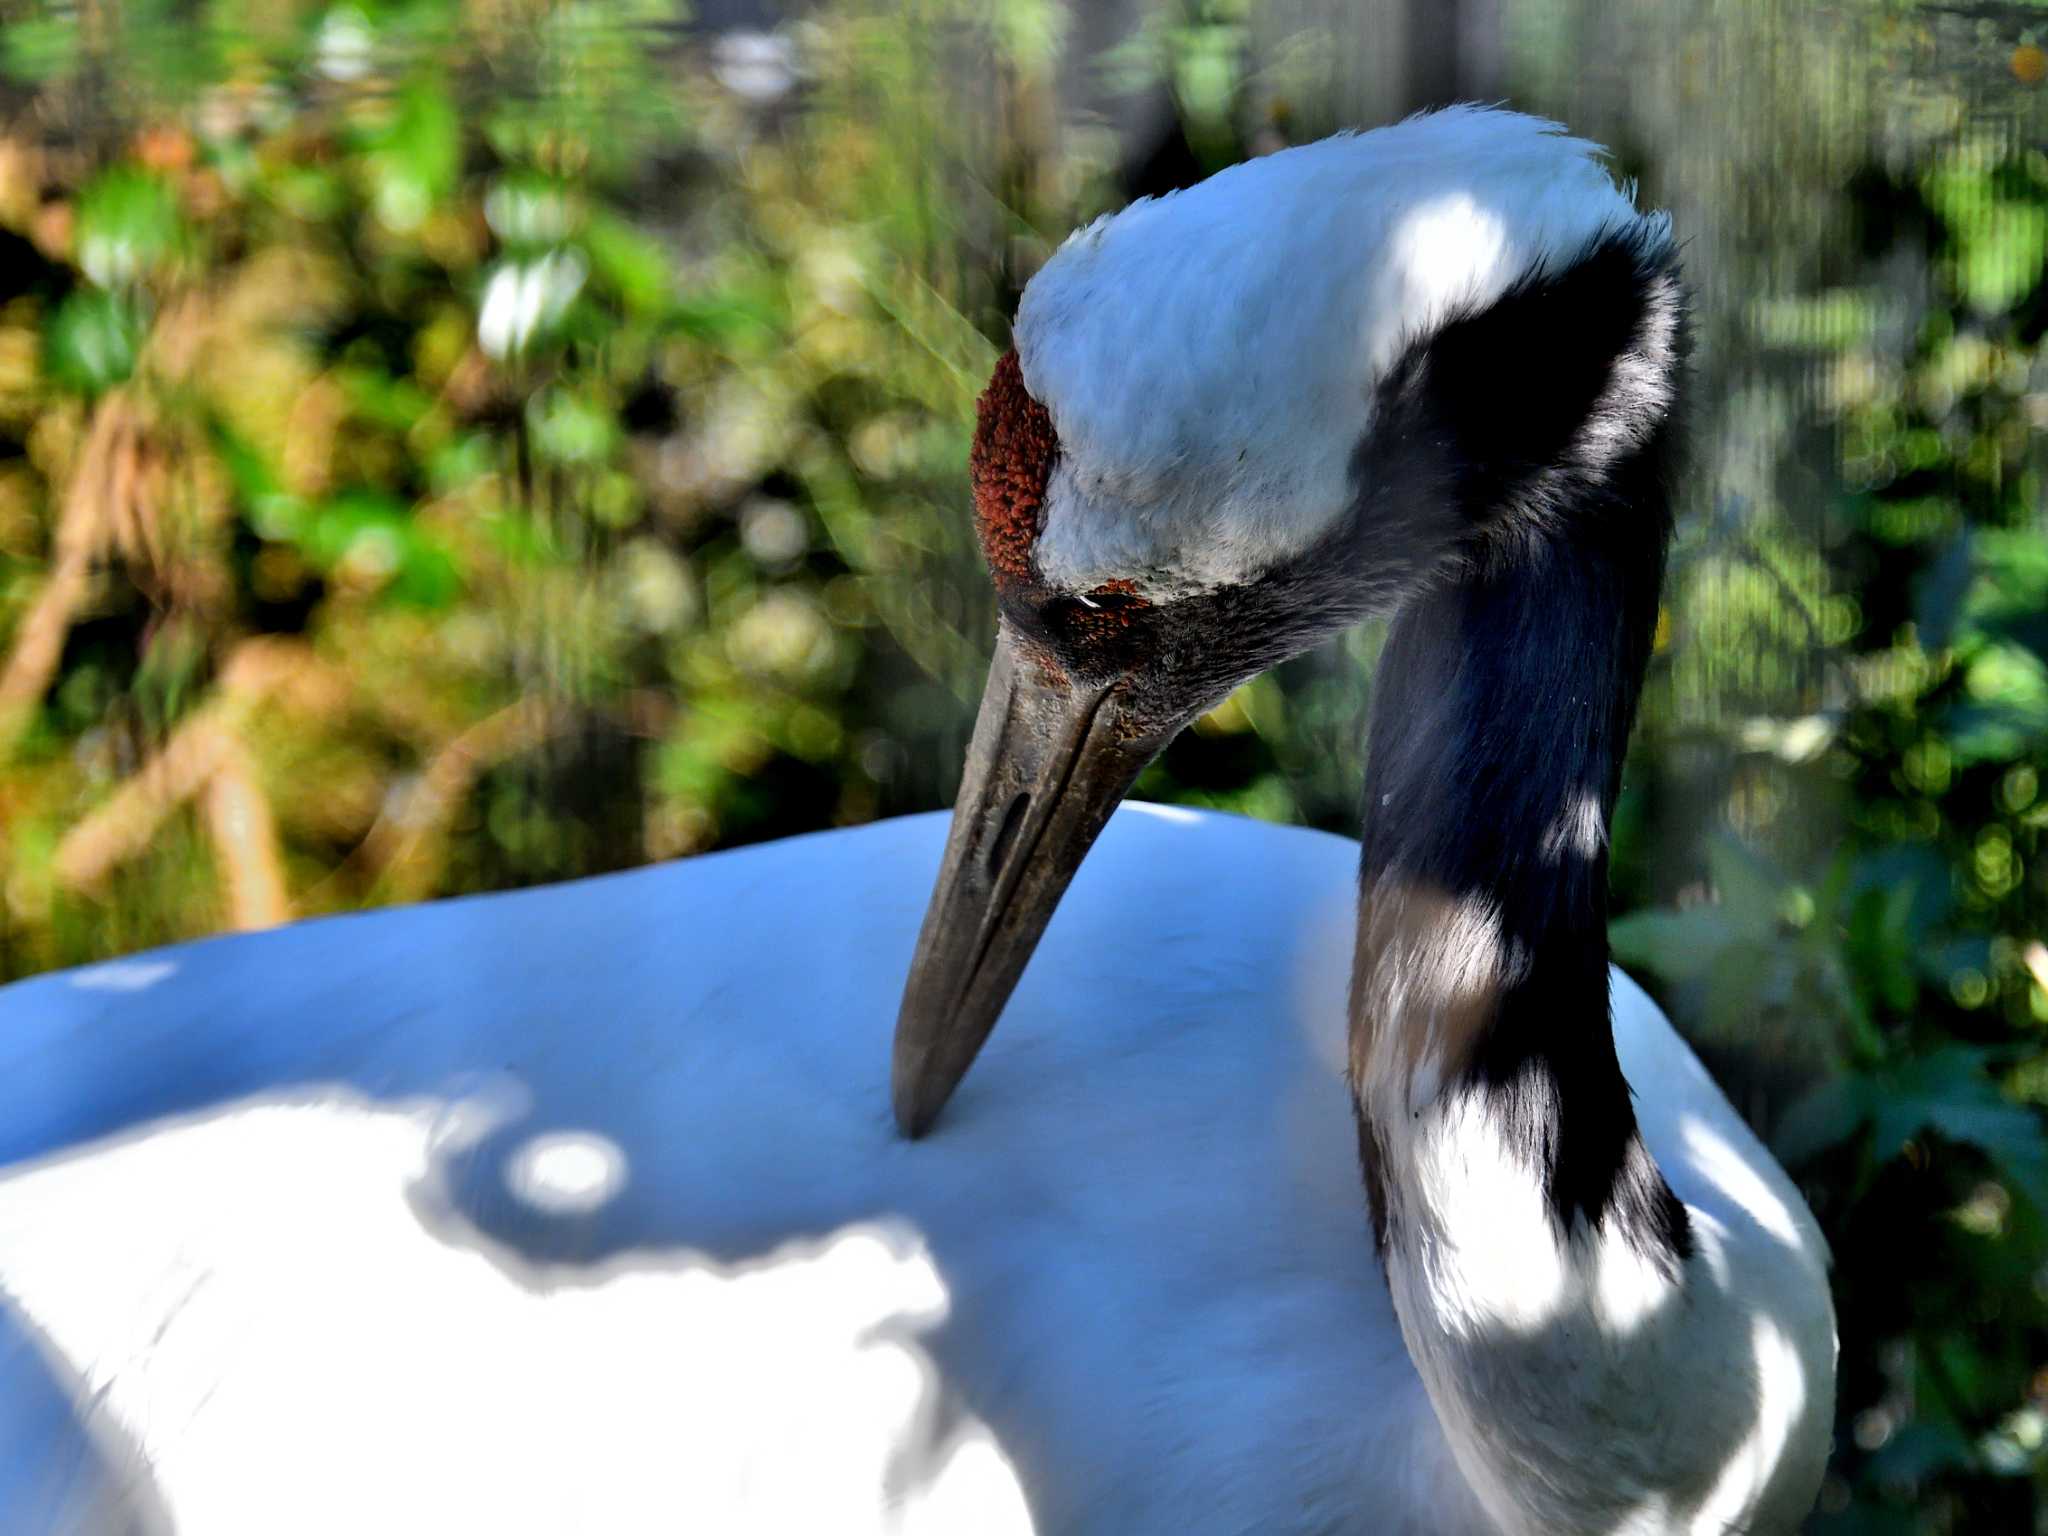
[1014, 448]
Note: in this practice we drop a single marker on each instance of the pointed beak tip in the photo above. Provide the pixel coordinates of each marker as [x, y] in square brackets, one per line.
[1048, 763]
[917, 1099]
[913, 1121]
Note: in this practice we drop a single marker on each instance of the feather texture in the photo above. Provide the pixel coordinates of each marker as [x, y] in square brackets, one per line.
[1207, 357]
[580, 1209]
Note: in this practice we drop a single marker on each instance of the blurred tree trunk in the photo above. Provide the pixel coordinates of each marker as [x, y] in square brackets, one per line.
[1453, 52]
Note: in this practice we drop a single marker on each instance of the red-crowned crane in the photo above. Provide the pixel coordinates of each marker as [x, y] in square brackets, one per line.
[583, 1209]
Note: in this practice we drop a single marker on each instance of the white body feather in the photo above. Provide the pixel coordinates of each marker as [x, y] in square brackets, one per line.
[581, 1210]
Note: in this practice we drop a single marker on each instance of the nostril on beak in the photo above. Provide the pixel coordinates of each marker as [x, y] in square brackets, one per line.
[1006, 834]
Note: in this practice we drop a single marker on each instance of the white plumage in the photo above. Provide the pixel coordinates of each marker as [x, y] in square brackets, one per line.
[267, 1266]
[1204, 355]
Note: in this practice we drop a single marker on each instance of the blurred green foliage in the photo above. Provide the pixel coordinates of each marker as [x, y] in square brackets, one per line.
[1913, 936]
[451, 444]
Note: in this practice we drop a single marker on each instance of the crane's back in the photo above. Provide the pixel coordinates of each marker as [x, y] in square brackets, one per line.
[581, 1209]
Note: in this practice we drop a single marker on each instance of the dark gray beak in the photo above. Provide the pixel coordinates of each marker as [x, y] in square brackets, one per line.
[1049, 762]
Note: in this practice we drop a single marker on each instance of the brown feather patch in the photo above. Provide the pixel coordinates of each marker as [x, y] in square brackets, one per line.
[1014, 448]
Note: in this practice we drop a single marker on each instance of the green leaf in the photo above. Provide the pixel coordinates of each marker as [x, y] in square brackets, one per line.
[1751, 891]
[569, 428]
[250, 474]
[1677, 945]
[1749, 981]
[1913, 881]
[2014, 563]
[629, 263]
[2029, 631]
[427, 575]
[396, 404]
[734, 316]
[461, 461]
[416, 158]
[40, 48]
[1939, 962]
[128, 226]
[375, 534]
[1030, 32]
[1919, 1450]
[1826, 1115]
[92, 341]
[1948, 1091]
[528, 212]
[2000, 244]
[309, 192]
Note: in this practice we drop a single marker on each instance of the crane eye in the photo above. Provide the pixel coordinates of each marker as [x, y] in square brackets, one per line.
[1061, 615]
[1105, 609]
[1102, 623]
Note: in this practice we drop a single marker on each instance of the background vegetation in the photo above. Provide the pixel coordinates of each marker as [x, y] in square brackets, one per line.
[452, 444]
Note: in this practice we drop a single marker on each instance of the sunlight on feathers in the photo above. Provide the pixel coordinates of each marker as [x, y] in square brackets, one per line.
[124, 975]
[286, 1237]
[567, 1172]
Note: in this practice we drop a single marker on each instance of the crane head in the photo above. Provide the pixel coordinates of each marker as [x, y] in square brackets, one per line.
[1236, 420]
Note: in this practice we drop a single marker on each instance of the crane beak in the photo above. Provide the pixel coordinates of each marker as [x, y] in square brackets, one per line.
[1049, 761]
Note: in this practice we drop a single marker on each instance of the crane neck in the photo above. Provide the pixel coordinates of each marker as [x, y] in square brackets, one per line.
[1506, 696]
[1523, 1226]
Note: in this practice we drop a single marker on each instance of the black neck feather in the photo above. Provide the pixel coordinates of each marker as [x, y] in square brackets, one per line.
[1499, 725]
[1506, 694]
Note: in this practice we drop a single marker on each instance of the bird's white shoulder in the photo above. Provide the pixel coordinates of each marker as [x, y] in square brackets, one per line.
[581, 1209]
